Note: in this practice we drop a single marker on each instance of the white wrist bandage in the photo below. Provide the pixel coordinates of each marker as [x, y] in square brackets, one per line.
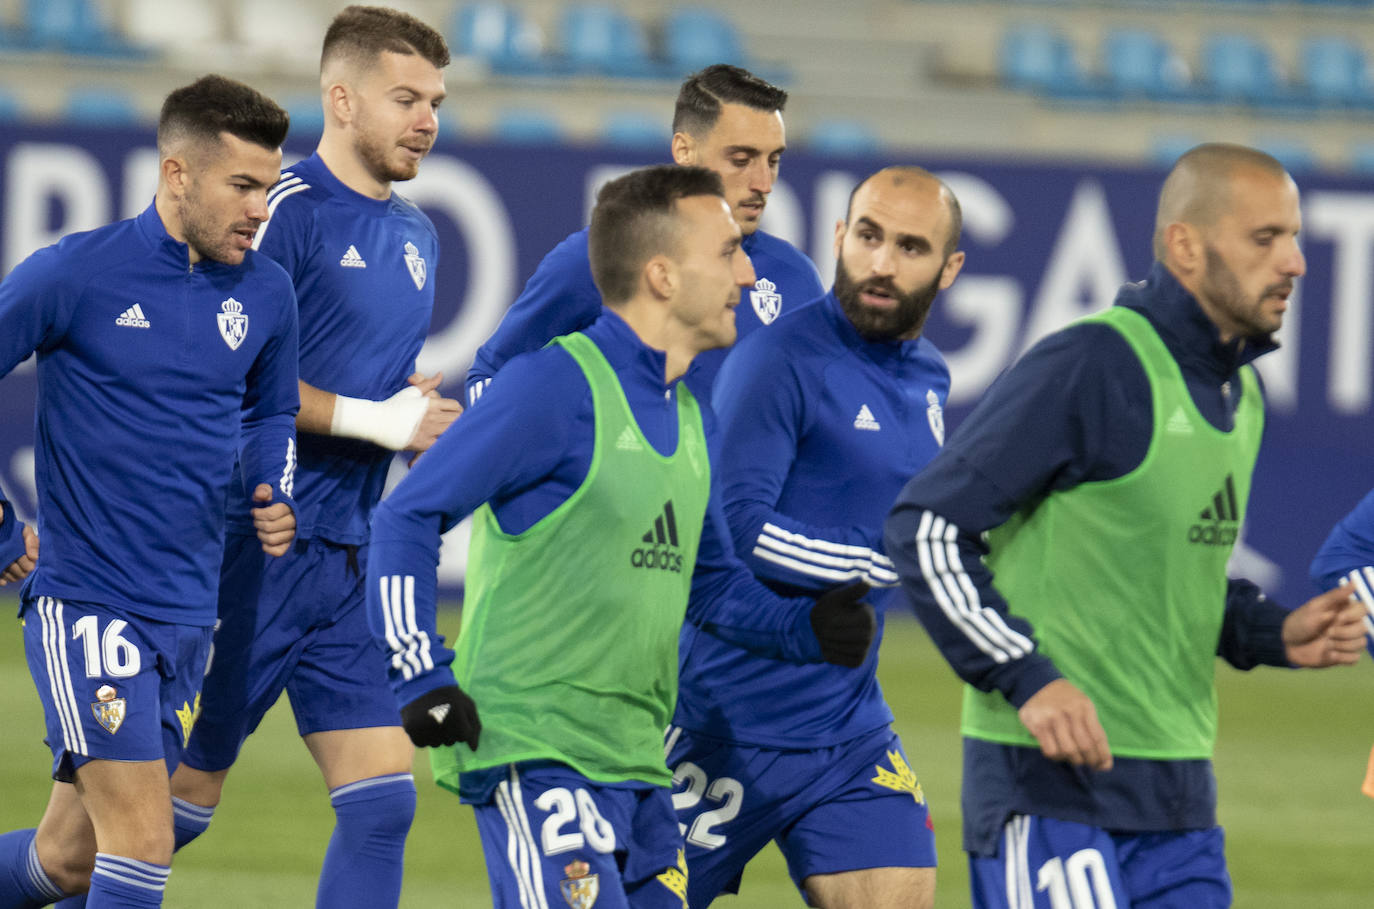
[390, 423]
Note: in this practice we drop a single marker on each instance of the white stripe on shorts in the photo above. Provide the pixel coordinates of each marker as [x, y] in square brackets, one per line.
[521, 849]
[54, 633]
[1017, 862]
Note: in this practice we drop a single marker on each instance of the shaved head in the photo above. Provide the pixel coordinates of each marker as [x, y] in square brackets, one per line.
[909, 175]
[1199, 189]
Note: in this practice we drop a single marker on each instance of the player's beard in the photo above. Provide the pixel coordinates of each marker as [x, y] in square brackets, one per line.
[209, 239]
[375, 152]
[903, 321]
[1222, 289]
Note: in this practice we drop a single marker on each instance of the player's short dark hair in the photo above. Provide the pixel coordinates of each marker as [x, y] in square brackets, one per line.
[633, 222]
[363, 33]
[702, 95]
[212, 105]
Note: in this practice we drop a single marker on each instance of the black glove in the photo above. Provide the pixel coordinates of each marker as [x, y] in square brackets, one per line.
[441, 717]
[844, 624]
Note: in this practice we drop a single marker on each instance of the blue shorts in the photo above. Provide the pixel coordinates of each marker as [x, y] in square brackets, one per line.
[296, 623]
[1044, 863]
[552, 837]
[847, 807]
[114, 687]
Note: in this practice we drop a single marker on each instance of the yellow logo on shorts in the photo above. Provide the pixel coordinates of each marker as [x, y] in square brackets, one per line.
[109, 710]
[188, 714]
[579, 888]
[675, 879]
[902, 780]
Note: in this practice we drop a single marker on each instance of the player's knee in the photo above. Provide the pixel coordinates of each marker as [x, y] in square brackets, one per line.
[199, 787]
[68, 868]
[378, 810]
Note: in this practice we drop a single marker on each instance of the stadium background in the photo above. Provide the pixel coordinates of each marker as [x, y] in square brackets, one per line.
[1053, 121]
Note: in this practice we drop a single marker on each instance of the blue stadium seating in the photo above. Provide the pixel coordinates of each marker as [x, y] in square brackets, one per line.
[1295, 156]
[1239, 68]
[632, 130]
[1362, 158]
[694, 38]
[520, 126]
[307, 119]
[500, 34]
[842, 137]
[597, 38]
[1039, 57]
[1334, 71]
[100, 107]
[1142, 64]
[11, 111]
[1167, 149]
[73, 26]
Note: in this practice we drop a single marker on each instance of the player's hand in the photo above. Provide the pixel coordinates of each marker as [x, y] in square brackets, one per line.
[20, 567]
[275, 523]
[844, 624]
[442, 717]
[1327, 630]
[1064, 722]
[440, 415]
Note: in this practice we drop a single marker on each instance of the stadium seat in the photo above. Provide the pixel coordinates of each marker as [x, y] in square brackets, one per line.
[1239, 68]
[596, 38]
[632, 130]
[73, 26]
[527, 127]
[11, 111]
[1334, 71]
[694, 38]
[500, 34]
[842, 137]
[307, 120]
[100, 107]
[1039, 58]
[1142, 64]
[1295, 156]
[1362, 158]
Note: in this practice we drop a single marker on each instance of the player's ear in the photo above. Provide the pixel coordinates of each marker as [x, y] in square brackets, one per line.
[339, 102]
[951, 268]
[1183, 247]
[684, 149]
[660, 274]
[840, 228]
[175, 174]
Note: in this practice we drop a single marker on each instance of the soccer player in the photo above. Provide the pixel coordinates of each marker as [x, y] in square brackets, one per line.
[589, 469]
[1109, 469]
[362, 259]
[1347, 557]
[165, 347]
[730, 121]
[823, 418]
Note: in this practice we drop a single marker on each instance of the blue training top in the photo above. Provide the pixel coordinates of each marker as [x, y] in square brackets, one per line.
[1349, 547]
[153, 375]
[820, 429]
[561, 297]
[525, 447]
[364, 275]
[1077, 406]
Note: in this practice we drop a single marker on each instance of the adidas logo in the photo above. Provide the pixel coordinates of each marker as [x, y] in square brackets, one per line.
[133, 318]
[628, 441]
[351, 259]
[1219, 522]
[661, 552]
[865, 419]
[439, 712]
[1179, 424]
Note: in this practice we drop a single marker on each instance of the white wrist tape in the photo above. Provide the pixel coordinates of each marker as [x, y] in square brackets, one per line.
[390, 423]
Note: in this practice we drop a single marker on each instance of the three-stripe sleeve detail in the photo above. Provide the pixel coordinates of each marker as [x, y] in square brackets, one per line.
[410, 652]
[937, 552]
[824, 559]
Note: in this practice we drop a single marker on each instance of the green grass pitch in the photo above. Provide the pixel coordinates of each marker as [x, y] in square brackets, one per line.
[1290, 761]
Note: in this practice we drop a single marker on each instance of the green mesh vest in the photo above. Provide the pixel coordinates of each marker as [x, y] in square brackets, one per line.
[1124, 581]
[570, 629]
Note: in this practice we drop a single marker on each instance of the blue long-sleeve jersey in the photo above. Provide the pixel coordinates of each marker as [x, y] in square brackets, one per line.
[153, 375]
[561, 297]
[819, 430]
[525, 447]
[364, 275]
[1077, 406]
[1348, 554]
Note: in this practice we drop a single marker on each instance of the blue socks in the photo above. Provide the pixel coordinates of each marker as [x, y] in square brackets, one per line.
[189, 821]
[124, 883]
[364, 862]
[23, 884]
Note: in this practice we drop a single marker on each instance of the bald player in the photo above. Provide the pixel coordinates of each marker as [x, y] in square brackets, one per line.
[823, 418]
[362, 259]
[1067, 552]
